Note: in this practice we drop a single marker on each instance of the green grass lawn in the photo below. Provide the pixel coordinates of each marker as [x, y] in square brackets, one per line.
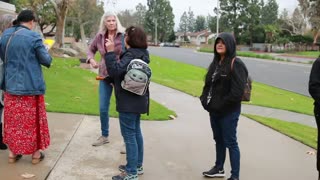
[190, 79]
[305, 134]
[313, 54]
[248, 54]
[71, 89]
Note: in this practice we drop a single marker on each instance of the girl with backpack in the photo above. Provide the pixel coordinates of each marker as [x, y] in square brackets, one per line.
[129, 105]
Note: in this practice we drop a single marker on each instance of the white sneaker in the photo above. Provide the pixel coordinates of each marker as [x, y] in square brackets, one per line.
[101, 141]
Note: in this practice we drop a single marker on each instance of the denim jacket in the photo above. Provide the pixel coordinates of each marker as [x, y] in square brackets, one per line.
[25, 55]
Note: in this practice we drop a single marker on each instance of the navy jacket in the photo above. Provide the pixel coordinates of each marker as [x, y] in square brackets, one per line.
[25, 55]
[125, 100]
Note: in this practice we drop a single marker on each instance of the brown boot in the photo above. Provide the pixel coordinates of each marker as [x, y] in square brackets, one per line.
[2, 145]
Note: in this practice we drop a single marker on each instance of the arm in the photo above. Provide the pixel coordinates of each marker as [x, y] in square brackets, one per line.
[42, 53]
[239, 75]
[93, 48]
[314, 81]
[117, 68]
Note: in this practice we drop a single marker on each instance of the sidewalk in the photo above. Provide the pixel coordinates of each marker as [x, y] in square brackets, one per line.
[178, 149]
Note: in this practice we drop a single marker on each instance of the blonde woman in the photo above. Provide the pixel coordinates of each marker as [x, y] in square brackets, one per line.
[110, 28]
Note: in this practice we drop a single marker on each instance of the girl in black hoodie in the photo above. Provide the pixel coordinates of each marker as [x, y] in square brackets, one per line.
[314, 90]
[221, 97]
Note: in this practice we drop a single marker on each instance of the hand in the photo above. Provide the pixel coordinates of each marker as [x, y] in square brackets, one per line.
[47, 47]
[109, 45]
[93, 63]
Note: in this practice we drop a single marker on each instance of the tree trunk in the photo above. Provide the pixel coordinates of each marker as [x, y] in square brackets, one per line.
[315, 37]
[83, 36]
[61, 10]
[60, 32]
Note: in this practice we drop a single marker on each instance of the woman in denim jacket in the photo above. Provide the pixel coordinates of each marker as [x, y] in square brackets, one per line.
[110, 28]
[25, 120]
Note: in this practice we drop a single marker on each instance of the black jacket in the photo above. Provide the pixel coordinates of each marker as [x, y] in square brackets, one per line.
[125, 100]
[314, 83]
[227, 86]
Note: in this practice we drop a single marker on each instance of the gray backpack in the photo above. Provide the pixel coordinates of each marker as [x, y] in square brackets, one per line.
[137, 78]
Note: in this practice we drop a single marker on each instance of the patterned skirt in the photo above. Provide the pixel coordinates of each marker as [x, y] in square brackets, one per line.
[25, 123]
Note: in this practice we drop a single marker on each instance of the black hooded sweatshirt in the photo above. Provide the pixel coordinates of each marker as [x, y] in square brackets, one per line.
[226, 85]
[314, 83]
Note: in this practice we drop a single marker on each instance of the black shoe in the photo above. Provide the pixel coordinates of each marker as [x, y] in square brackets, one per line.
[231, 178]
[214, 172]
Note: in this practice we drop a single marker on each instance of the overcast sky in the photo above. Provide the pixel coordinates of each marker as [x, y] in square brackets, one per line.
[199, 7]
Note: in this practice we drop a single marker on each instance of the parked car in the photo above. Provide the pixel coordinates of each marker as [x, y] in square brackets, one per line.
[167, 44]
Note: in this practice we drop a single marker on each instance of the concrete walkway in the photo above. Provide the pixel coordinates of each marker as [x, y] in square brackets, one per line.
[179, 149]
[280, 114]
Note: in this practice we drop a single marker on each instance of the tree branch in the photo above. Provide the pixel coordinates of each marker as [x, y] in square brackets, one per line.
[55, 6]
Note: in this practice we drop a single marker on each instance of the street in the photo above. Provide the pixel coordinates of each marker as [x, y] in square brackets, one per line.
[290, 76]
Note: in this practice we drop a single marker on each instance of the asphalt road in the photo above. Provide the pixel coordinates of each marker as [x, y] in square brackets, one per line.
[290, 76]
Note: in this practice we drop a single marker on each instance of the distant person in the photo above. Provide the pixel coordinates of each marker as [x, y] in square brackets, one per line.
[314, 90]
[221, 97]
[130, 106]
[110, 28]
[26, 130]
[6, 21]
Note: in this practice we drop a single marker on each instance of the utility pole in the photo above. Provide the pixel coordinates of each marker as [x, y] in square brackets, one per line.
[217, 11]
[156, 32]
[155, 24]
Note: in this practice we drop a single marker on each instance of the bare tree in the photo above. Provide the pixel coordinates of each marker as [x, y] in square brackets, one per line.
[61, 10]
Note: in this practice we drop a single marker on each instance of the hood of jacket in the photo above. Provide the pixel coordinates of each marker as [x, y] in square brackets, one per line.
[140, 53]
[230, 44]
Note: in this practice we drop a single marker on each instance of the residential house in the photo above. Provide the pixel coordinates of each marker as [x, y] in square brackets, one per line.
[7, 8]
[196, 38]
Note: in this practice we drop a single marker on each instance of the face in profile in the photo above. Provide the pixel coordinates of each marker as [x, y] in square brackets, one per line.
[110, 23]
[221, 47]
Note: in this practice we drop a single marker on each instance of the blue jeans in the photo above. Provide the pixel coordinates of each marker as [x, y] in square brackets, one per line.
[224, 127]
[105, 92]
[131, 133]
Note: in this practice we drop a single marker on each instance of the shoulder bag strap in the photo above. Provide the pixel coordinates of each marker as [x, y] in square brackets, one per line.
[232, 62]
[5, 54]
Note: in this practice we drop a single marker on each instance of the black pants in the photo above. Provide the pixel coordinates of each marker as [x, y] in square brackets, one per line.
[317, 116]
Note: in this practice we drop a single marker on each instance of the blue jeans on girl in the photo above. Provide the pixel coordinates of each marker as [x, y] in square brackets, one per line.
[224, 127]
[131, 133]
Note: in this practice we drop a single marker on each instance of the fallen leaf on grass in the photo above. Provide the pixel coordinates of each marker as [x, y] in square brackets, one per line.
[27, 175]
[311, 152]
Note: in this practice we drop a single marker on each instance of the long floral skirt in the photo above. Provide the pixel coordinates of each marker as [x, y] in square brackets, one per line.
[25, 123]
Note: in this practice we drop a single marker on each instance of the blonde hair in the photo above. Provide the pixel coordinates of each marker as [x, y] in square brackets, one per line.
[107, 14]
[6, 21]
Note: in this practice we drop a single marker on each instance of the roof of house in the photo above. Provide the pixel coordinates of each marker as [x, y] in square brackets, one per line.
[195, 34]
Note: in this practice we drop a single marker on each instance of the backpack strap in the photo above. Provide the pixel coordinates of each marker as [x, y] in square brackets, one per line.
[232, 62]
[8, 42]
